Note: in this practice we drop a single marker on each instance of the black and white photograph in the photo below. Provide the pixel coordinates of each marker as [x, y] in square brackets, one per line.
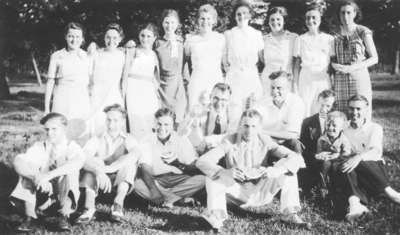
[200, 117]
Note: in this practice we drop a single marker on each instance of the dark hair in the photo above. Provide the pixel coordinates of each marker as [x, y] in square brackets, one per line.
[319, 6]
[239, 4]
[358, 97]
[167, 13]
[51, 116]
[162, 112]
[251, 113]
[223, 87]
[278, 74]
[326, 94]
[357, 9]
[280, 10]
[115, 107]
[337, 114]
[75, 25]
[116, 27]
[150, 26]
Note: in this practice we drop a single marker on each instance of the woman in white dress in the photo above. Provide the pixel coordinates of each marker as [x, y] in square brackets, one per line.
[203, 52]
[244, 46]
[107, 72]
[312, 51]
[278, 46]
[67, 88]
[140, 83]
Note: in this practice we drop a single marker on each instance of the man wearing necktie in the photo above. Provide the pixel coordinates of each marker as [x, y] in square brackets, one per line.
[247, 180]
[206, 129]
[49, 169]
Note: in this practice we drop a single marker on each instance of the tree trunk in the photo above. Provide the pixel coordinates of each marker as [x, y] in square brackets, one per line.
[396, 65]
[4, 89]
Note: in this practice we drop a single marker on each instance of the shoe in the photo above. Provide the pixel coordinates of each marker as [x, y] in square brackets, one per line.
[86, 216]
[117, 214]
[26, 226]
[356, 212]
[215, 223]
[63, 224]
[293, 218]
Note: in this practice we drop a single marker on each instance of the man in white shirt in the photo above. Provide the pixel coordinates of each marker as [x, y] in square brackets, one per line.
[205, 129]
[111, 163]
[169, 173]
[364, 173]
[247, 180]
[49, 169]
[283, 112]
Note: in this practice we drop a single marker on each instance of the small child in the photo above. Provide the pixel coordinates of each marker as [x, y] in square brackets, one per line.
[332, 146]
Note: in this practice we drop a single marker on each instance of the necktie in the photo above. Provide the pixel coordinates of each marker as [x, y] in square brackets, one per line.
[217, 126]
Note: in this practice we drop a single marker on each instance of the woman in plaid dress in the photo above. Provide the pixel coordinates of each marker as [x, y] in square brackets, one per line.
[355, 52]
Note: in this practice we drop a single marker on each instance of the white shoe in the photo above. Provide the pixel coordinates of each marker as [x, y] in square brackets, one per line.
[213, 221]
[86, 216]
[356, 211]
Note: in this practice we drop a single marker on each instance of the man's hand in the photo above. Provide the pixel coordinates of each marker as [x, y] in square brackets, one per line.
[44, 186]
[272, 172]
[41, 178]
[234, 173]
[351, 163]
[104, 182]
[168, 157]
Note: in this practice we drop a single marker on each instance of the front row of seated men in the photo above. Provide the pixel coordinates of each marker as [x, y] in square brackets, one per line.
[234, 167]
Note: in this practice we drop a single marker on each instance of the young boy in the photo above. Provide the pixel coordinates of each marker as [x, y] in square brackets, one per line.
[49, 169]
[332, 146]
[111, 163]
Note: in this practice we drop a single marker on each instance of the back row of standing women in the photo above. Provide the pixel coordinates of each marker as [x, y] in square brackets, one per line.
[151, 75]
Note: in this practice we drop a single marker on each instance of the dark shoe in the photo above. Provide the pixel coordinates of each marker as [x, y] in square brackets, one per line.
[26, 226]
[63, 224]
[117, 214]
[86, 216]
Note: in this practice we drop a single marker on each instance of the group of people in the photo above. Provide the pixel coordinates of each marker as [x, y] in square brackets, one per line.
[125, 120]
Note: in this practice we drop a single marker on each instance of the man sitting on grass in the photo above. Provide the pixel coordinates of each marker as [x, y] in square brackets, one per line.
[111, 163]
[285, 112]
[49, 169]
[363, 174]
[247, 180]
[169, 174]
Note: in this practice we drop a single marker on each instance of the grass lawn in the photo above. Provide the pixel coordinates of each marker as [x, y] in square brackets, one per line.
[19, 128]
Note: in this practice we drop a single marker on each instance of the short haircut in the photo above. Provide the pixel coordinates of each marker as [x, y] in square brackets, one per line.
[51, 116]
[239, 4]
[74, 25]
[280, 10]
[337, 114]
[115, 107]
[208, 8]
[151, 27]
[326, 94]
[319, 6]
[278, 74]
[358, 97]
[251, 113]
[116, 27]
[222, 87]
[162, 112]
[169, 13]
[357, 9]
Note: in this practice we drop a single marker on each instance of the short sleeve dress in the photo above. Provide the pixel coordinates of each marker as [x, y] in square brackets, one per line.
[278, 55]
[315, 52]
[170, 58]
[71, 71]
[243, 46]
[206, 57]
[350, 49]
